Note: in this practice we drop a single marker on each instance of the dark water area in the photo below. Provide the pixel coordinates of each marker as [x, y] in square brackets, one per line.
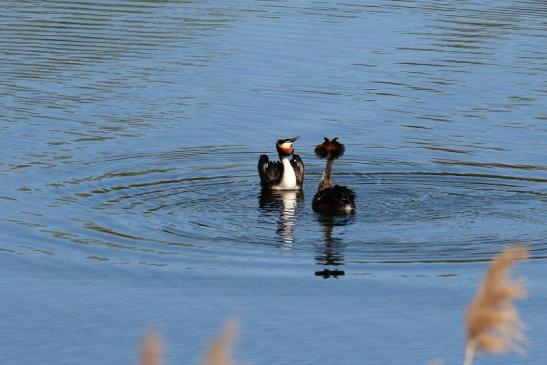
[131, 132]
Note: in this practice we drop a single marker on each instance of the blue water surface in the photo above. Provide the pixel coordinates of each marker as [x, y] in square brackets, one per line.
[130, 197]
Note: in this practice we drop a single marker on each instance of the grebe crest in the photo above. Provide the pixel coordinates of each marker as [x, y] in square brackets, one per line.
[330, 149]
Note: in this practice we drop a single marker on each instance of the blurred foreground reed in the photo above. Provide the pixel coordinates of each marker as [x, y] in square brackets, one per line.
[151, 349]
[493, 323]
[219, 351]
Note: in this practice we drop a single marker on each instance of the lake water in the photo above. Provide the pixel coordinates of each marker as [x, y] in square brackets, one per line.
[130, 133]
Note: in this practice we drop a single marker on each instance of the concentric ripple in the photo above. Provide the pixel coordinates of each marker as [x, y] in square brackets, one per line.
[191, 207]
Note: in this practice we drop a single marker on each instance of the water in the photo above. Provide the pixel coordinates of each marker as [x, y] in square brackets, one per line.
[130, 136]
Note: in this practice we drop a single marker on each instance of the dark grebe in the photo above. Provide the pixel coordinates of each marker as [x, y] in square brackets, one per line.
[331, 198]
[287, 174]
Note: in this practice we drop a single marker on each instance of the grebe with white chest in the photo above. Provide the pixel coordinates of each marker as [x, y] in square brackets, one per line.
[286, 174]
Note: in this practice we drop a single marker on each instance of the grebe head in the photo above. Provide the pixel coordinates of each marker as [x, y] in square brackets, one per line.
[330, 149]
[284, 146]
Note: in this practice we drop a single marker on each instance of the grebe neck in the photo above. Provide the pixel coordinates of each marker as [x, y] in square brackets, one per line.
[326, 179]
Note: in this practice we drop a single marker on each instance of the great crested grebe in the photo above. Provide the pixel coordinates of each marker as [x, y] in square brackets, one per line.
[287, 174]
[331, 198]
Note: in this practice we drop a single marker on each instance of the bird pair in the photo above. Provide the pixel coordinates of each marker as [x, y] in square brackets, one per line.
[288, 174]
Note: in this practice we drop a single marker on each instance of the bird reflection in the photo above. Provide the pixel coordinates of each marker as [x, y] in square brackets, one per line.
[331, 251]
[286, 203]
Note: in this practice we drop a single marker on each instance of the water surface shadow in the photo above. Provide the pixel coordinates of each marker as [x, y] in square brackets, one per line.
[331, 250]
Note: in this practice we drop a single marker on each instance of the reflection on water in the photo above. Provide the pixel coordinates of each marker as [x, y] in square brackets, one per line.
[286, 203]
[331, 250]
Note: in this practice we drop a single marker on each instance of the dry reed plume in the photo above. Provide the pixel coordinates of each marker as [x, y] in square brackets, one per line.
[151, 350]
[493, 323]
[220, 350]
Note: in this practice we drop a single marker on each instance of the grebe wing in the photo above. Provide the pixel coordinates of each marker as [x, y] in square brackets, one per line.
[298, 167]
[270, 171]
[345, 194]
